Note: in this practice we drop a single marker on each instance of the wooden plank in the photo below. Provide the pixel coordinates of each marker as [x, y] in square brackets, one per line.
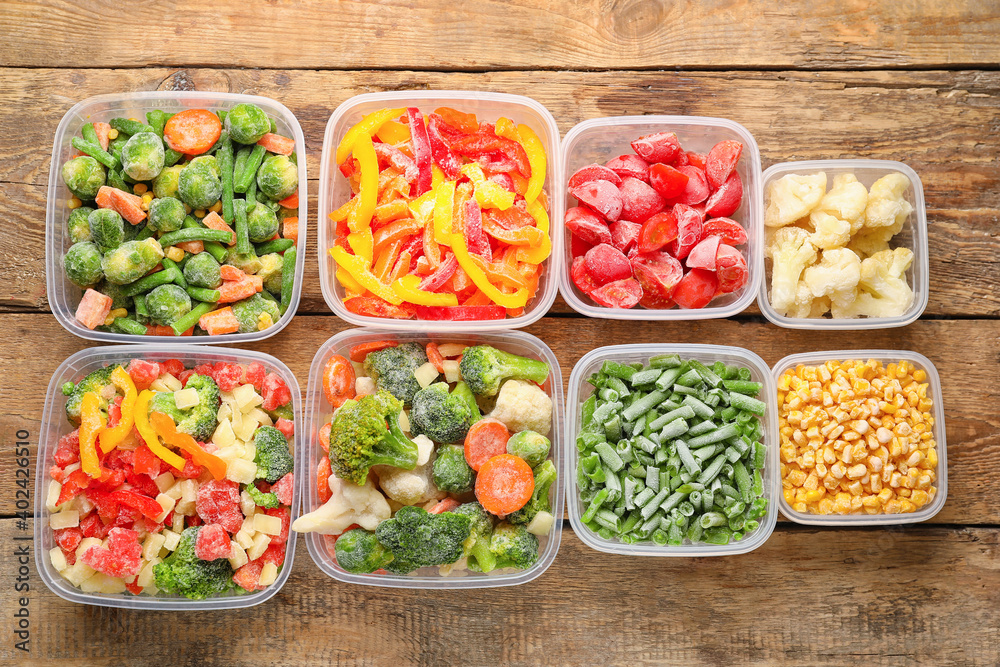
[903, 596]
[794, 116]
[964, 351]
[561, 34]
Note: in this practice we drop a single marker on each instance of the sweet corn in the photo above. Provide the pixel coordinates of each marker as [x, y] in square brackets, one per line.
[112, 133]
[200, 213]
[174, 253]
[139, 188]
[74, 202]
[216, 207]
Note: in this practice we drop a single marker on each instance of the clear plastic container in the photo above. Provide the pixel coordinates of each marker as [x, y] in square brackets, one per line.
[63, 295]
[580, 390]
[54, 426]
[334, 191]
[600, 139]
[912, 236]
[318, 411]
[934, 391]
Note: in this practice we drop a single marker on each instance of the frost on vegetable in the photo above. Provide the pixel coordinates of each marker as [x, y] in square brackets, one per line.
[247, 123]
[166, 214]
[165, 185]
[131, 261]
[278, 177]
[262, 224]
[167, 303]
[523, 406]
[198, 184]
[107, 229]
[77, 226]
[886, 205]
[202, 270]
[83, 264]
[792, 197]
[846, 200]
[84, 176]
[143, 156]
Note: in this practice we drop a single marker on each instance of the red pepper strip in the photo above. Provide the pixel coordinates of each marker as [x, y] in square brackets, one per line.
[486, 141]
[443, 156]
[398, 230]
[464, 122]
[461, 313]
[436, 280]
[398, 159]
[421, 149]
[372, 306]
[474, 236]
[149, 507]
[415, 247]
[361, 351]
[73, 485]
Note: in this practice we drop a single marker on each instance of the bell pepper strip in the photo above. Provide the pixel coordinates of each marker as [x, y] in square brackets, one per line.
[348, 281]
[473, 227]
[372, 306]
[342, 213]
[477, 299]
[386, 259]
[166, 429]
[464, 122]
[535, 151]
[360, 271]
[149, 507]
[398, 160]
[72, 486]
[522, 236]
[92, 422]
[367, 127]
[443, 156]
[489, 194]
[462, 313]
[110, 437]
[421, 148]
[398, 230]
[422, 207]
[501, 273]
[361, 216]
[432, 251]
[518, 298]
[441, 275]
[393, 132]
[401, 267]
[394, 210]
[362, 244]
[408, 289]
[537, 254]
[141, 413]
[444, 204]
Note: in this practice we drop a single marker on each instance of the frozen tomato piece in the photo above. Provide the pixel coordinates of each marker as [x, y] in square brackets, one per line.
[92, 526]
[602, 196]
[657, 147]
[577, 246]
[275, 553]
[629, 166]
[658, 273]
[218, 501]
[212, 542]
[727, 198]
[68, 449]
[276, 392]
[696, 190]
[731, 268]
[667, 181]
[606, 263]
[229, 376]
[682, 160]
[115, 411]
[696, 159]
[655, 302]
[593, 172]
[657, 232]
[702, 256]
[68, 538]
[283, 488]
[190, 471]
[133, 588]
[255, 375]
[639, 200]
[118, 459]
[121, 558]
[286, 426]
[58, 474]
[205, 369]
[696, 289]
[624, 234]
[286, 519]
[730, 231]
[248, 576]
[580, 277]
[172, 366]
[145, 462]
[587, 225]
[143, 373]
[721, 161]
[689, 231]
[619, 294]
[185, 376]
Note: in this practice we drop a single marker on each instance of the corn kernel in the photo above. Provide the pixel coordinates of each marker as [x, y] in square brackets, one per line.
[174, 253]
[139, 188]
[216, 207]
[187, 208]
[112, 134]
[200, 213]
[264, 320]
[73, 203]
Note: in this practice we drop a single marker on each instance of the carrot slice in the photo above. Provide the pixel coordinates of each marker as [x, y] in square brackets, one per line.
[487, 438]
[323, 472]
[235, 290]
[291, 201]
[275, 143]
[445, 505]
[230, 272]
[434, 356]
[362, 350]
[338, 380]
[193, 131]
[103, 131]
[221, 321]
[158, 330]
[504, 484]
[128, 205]
[214, 221]
[290, 229]
[192, 247]
[324, 437]
[93, 309]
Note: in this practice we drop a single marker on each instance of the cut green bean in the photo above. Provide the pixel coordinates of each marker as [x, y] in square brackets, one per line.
[171, 265]
[185, 322]
[243, 246]
[201, 234]
[241, 179]
[129, 126]
[129, 326]
[95, 151]
[287, 279]
[217, 250]
[202, 294]
[225, 159]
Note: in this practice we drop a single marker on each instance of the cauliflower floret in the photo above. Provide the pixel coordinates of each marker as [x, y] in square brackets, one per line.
[846, 200]
[790, 253]
[409, 487]
[792, 197]
[425, 447]
[803, 304]
[869, 241]
[350, 504]
[835, 276]
[831, 232]
[886, 206]
[884, 291]
[820, 307]
[523, 406]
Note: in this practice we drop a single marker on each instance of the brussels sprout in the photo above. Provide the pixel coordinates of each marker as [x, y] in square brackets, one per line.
[247, 263]
[84, 176]
[119, 299]
[248, 312]
[107, 229]
[270, 272]
[77, 225]
[202, 270]
[278, 177]
[165, 185]
[199, 185]
[132, 231]
[167, 214]
[131, 261]
[262, 224]
[247, 123]
[83, 264]
[142, 156]
[166, 303]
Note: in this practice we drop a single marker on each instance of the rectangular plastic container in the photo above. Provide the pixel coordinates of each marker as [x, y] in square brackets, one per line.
[318, 411]
[334, 191]
[580, 390]
[600, 139]
[912, 236]
[934, 391]
[54, 425]
[63, 295]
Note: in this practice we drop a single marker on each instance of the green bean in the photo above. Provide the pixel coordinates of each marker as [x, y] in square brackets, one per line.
[744, 402]
[274, 245]
[129, 326]
[743, 387]
[95, 151]
[225, 158]
[251, 195]
[129, 126]
[139, 302]
[185, 235]
[287, 279]
[90, 134]
[217, 250]
[185, 322]
[595, 505]
[241, 179]
[147, 283]
[617, 370]
[116, 180]
[202, 294]
[171, 265]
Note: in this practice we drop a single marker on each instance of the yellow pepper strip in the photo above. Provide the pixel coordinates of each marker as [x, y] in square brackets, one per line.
[505, 127]
[348, 281]
[166, 429]
[393, 132]
[344, 211]
[534, 149]
[366, 127]
[444, 210]
[437, 176]
[461, 250]
[408, 289]
[423, 206]
[110, 437]
[360, 218]
[360, 270]
[489, 194]
[141, 415]
[537, 254]
[362, 243]
[91, 424]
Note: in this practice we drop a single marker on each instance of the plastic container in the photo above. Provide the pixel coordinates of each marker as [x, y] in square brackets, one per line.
[334, 191]
[63, 295]
[934, 391]
[318, 411]
[912, 236]
[600, 139]
[580, 390]
[54, 426]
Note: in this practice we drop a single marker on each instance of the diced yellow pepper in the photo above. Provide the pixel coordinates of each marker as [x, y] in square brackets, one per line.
[393, 132]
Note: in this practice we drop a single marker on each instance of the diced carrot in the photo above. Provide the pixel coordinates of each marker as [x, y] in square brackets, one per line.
[445, 505]
[338, 380]
[290, 229]
[324, 436]
[214, 221]
[192, 131]
[221, 321]
[487, 438]
[323, 472]
[128, 205]
[434, 356]
[257, 282]
[103, 131]
[291, 201]
[93, 309]
[276, 143]
[158, 330]
[231, 291]
[360, 351]
[504, 484]
[230, 272]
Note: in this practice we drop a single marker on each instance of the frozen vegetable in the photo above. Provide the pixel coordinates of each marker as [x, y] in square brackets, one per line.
[83, 264]
[262, 224]
[452, 472]
[247, 123]
[107, 229]
[366, 432]
[484, 368]
[142, 156]
[166, 303]
[199, 419]
[393, 368]
[278, 177]
[166, 214]
[131, 260]
[202, 270]
[84, 176]
[440, 415]
[78, 225]
[416, 538]
[199, 185]
[359, 552]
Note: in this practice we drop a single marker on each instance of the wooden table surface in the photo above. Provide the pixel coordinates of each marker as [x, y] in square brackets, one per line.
[916, 82]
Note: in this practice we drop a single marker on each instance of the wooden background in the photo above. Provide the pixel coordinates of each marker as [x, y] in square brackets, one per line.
[914, 81]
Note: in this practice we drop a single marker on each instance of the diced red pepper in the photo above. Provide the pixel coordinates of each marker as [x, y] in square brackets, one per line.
[474, 236]
[255, 375]
[276, 392]
[68, 449]
[461, 313]
[143, 373]
[286, 426]
[149, 507]
[77, 482]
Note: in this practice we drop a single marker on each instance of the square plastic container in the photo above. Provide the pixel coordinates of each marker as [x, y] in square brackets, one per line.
[54, 426]
[600, 139]
[334, 191]
[63, 295]
[580, 390]
[934, 391]
[318, 410]
[912, 236]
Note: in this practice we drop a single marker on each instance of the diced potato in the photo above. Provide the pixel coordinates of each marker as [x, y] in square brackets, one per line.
[159, 385]
[236, 418]
[260, 417]
[72, 467]
[233, 451]
[78, 572]
[404, 420]
[541, 524]
[146, 578]
[186, 398]
[426, 374]
[249, 451]
[167, 503]
[241, 471]
[243, 539]
[269, 525]
[176, 490]
[151, 547]
[451, 349]
[58, 559]
[170, 540]
[247, 525]
[246, 397]
[82, 505]
[224, 412]
[237, 555]
[178, 523]
[185, 508]
[189, 490]
[52, 495]
[85, 544]
[451, 373]
[268, 574]
[247, 504]
[224, 436]
[65, 519]
[364, 385]
[172, 382]
[102, 583]
[246, 428]
[260, 544]
[164, 481]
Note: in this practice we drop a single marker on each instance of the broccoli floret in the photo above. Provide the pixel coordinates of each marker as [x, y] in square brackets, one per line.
[358, 551]
[248, 312]
[418, 539]
[484, 367]
[199, 421]
[99, 382]
[514, 546]
[531, 446]
[451, 471]
[545, 475]
[365, 433]
[182, 572]
[272, 456]
[392, 369]
[266, 500]
[441, 416]
[477, 547]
